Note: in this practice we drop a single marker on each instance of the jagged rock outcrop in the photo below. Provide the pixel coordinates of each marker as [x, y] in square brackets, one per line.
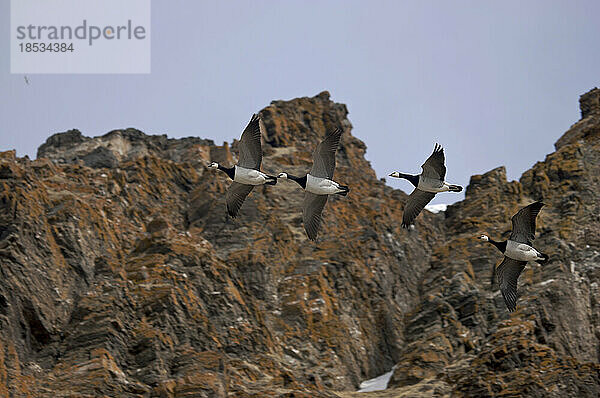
[460, 339]
[121, 274]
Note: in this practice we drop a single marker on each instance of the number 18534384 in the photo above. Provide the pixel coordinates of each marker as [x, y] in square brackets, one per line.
[46, 47]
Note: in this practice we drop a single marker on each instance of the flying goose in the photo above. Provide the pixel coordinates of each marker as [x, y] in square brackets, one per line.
[318, 184]
[517, 250]
[246, 174]
[427, 184]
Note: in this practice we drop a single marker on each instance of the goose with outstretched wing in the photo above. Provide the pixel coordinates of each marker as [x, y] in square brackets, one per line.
[318, 184]
[427, 184]
[246, 174]
[518, 250]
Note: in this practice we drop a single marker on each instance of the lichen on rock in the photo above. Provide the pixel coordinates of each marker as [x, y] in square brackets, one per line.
[123, 276]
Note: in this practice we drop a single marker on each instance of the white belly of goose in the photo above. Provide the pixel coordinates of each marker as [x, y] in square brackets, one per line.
[249, 176]
[321, 186]
[521, 251]
[432, 185]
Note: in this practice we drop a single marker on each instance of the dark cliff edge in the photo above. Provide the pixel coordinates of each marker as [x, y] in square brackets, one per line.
[121, 275]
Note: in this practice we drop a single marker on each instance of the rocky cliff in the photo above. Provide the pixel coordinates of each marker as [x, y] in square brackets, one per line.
[122, 276]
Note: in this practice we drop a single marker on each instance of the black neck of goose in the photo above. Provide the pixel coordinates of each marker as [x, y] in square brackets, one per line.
[500, 245]
[230, 171]
[300, 180]
[414, 179]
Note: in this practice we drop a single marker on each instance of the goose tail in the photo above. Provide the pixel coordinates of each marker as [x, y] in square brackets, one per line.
[344, 190]
[271, 180]
[545, 258]
[455, 188]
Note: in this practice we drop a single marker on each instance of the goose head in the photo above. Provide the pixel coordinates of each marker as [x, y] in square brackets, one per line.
[484, 238]
[213, 165]
[395, 174]
[282, 175]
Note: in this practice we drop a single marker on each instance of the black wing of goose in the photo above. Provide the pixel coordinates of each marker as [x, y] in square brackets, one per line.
[417, 200]
[311, 214]
[235, 196]
[249, 146]
[523, 223]
[324, 155]
[434, 165]
[507, 275]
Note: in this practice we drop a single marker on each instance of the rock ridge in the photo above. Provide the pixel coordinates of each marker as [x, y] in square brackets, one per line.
[122, 276]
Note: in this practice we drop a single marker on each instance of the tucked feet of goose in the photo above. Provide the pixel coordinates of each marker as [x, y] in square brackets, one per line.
[246, 174]
[427, 184]
[518, 250]
[318, 184]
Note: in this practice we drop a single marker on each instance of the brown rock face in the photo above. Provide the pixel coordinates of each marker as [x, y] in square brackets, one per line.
[461, 339]
[588, 126]
[121, 274]
[590, 103]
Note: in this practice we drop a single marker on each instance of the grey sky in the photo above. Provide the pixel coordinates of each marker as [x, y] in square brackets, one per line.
[496, 83]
